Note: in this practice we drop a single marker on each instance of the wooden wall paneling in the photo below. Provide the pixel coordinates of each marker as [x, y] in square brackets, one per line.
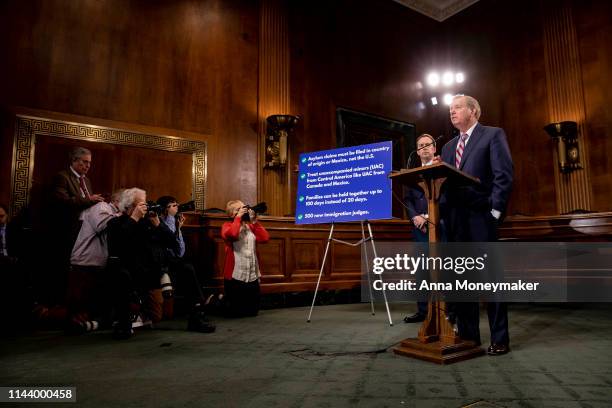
[7, 131]
[274, 253]
[520, 75]
[273, 98]
[194, 239]
[504, 65]
[336, 63]
[345, 260]
[203, 70]
[51, 156]
[565, 228]
[307, 257]
[566, 101]
[196, 71]
[121, 158]
[291, 260]
[219, 262]
[343, 270]
[504, 70]
[593, 23]
[170, 174]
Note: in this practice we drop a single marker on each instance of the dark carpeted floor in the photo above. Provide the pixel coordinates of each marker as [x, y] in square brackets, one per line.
[561, 357]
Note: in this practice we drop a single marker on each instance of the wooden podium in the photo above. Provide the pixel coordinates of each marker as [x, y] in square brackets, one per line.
[437, 341]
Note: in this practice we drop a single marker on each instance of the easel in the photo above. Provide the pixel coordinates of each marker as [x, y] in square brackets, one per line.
[362, 242]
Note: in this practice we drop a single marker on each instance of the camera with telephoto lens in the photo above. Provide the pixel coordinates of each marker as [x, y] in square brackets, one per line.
[188, 206]
[258, 209]
[153, 207]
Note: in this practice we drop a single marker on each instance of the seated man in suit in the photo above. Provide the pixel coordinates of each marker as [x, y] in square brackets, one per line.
[416, 204]
[472, 214]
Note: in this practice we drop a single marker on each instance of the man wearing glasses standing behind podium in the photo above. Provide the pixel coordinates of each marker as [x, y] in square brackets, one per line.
[473, 214]
[416, 205]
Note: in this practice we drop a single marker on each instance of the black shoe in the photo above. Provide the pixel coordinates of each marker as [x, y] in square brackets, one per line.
[122, 333]
[212, 304]
[498, 349]
[198, 322]
[415, 318]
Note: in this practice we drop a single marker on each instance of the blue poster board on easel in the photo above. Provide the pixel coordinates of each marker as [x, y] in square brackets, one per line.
[345, 184]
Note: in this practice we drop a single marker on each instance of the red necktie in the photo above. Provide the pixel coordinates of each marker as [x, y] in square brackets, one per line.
[459, 151]
[83, 187]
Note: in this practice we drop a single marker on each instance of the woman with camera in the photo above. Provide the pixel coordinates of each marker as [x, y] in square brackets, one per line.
[136, 260]
[242, 271]
[181, 271]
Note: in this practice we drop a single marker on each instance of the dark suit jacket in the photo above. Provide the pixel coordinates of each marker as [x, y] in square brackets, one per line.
[68, 204]
[466, 210]
[67, 190]
[416, 202]
[141, 249]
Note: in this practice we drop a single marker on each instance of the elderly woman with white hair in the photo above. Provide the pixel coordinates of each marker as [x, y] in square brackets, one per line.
[137, 250]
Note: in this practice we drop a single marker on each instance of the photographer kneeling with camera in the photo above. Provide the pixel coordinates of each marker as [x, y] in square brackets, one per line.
[242, 271]
[182, 273]
[137, 260]
[133, 262]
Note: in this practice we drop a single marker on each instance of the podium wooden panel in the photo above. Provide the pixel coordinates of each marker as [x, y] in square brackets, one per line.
[437, 340]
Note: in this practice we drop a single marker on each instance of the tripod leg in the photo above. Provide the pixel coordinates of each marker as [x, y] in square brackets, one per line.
[364, 247]
[376, 256]
[331, 231]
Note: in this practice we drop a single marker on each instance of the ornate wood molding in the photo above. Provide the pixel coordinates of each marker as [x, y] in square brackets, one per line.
[28, 128]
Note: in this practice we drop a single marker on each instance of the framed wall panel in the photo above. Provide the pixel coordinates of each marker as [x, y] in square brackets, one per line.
[121, 158]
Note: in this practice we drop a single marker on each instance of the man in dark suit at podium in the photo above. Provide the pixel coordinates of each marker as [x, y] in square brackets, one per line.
[472, 214]
[416, 204]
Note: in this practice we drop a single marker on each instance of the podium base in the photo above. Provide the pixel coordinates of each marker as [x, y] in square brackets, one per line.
[438, 352]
